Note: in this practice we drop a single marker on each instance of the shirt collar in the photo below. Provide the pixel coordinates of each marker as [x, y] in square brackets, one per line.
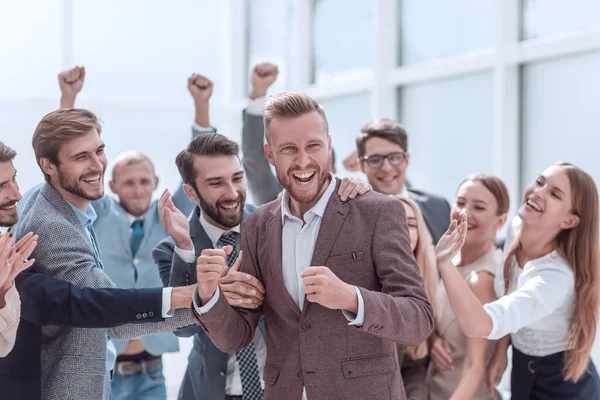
[3, 229]
[214, 233]
[132, 219]
[317, 209]
[85, 218]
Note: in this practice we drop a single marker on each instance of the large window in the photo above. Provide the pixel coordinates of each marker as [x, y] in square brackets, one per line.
[30, 48]
[144, 51]
[346, 115]
[269, 42]
[542, 18]
[342, 39]
[449, 125]
[436, 29]
[560, 114]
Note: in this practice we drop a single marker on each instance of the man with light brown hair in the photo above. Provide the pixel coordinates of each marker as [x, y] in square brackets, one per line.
[70, 152]
[341, 282]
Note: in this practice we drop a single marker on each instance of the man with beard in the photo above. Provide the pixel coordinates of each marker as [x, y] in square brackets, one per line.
[214, 178]
[76, 363]
[46, 301]
[128, 228]
[341, 282]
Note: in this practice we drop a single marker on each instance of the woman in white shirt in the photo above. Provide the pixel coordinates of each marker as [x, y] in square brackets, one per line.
[550, 288]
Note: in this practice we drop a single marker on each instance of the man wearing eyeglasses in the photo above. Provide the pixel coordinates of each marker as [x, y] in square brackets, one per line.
[382, 147]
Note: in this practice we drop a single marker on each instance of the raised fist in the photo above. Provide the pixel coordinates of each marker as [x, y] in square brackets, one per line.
[71, 81]
[200, 87]
[263, 76]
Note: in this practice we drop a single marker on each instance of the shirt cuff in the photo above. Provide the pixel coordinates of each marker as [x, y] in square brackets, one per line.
[166, 303]
[189, 256]
[359, 318]
[201, 310]
[255, 106]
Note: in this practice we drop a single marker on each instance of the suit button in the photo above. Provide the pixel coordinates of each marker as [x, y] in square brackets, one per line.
[151, 314]
[145, 315]
[222, 373]
[139, 316]
[304, 327]
[136, 261]
[299, 374]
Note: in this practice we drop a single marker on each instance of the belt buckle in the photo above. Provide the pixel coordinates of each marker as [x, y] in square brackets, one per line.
[126, 367]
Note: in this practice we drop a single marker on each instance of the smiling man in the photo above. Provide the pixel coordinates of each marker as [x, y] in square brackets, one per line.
[341, 282]
[70, 151]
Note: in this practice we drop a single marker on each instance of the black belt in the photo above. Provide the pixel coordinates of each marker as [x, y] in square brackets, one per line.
[135, 367]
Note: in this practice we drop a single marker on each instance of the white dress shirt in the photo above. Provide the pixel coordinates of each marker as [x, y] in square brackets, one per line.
[233, 381]
[539, 308]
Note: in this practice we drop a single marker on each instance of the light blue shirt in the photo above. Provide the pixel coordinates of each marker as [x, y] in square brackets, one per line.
[87, 219]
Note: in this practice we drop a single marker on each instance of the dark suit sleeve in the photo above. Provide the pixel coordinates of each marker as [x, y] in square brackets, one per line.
[175, 272]
[47, 301]
[400, 312]
[263, 184]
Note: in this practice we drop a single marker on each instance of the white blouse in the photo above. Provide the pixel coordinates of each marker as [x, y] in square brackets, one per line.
[538, 310]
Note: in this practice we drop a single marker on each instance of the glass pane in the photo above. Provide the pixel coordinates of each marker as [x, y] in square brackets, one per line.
[449, 125]
[561, 119]
[435, 29]
[18, 121]
[270, 37]
[30, 48]
[342, 39]
[555, 17]
[144, 50]
[159, 132]
[346, 115]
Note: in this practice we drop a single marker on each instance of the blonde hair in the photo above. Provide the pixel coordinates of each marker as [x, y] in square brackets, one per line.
[425, 256]
[580, 246]
[290, 105]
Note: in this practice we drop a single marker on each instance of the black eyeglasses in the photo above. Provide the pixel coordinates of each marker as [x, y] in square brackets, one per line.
[376, 160]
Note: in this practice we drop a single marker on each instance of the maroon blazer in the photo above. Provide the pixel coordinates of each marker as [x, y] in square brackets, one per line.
[365, 242]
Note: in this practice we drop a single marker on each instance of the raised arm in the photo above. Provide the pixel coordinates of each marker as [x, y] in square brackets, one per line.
[70, 83]
[262, 182]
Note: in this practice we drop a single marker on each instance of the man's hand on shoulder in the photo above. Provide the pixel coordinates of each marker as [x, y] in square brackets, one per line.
[352, 187]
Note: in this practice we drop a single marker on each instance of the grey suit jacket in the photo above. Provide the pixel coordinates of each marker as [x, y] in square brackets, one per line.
[73, 359]
[365, 243]
[207, 365]
[265, 187]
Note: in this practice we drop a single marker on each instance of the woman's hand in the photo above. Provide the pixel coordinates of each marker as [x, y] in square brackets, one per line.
[452, 241]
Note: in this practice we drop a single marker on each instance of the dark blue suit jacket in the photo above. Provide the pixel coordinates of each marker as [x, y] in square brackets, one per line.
[46, 301]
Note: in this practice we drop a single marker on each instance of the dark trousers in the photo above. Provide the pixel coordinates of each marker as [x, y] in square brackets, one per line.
[541, 378]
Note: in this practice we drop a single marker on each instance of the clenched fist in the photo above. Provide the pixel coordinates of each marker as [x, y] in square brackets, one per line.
[263, 76]
[70, 82]
[322, 286]
[200, 87]
[210, 266]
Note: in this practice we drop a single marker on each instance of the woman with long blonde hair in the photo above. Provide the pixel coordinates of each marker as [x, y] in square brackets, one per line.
[549, 287]
[413, 360]
[458, 362]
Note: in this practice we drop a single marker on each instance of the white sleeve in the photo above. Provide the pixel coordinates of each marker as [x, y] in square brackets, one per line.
[255, 106]
[540, 295]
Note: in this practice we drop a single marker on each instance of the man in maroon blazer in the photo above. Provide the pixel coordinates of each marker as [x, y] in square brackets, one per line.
[342, 285]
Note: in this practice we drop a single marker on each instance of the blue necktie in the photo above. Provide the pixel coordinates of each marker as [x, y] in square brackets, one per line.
[137, 235]
[246, 357]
